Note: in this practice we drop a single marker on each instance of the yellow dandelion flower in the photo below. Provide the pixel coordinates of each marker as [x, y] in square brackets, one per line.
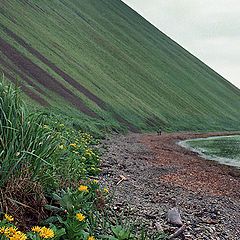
[10, 231]
[18, 236]
[83, 188]
[46, 233]
[36, 229]
[73, 145]
[2, 230]
[80, 217]
[91, 238]
[13, 229]
[106, 190]
[9, 218]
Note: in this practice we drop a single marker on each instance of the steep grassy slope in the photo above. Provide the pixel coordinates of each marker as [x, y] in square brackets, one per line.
[101, 61]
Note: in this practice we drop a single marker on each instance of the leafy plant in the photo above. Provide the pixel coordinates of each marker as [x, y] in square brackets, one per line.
[77, 210]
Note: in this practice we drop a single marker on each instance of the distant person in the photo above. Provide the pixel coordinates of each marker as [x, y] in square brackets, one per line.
[159, 131]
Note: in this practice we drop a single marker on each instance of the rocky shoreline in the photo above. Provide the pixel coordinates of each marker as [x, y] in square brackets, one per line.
[151, 174]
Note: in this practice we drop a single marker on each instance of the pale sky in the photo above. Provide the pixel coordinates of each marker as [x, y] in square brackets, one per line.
[209, 29]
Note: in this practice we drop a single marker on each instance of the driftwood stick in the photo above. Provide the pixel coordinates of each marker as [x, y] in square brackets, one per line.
[177, 233]
[122, 179]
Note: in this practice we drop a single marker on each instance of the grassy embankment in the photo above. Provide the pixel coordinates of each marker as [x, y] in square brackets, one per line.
[225, 149]
[101, 62]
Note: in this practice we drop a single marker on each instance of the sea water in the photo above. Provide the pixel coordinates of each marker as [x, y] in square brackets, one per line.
[223, 149]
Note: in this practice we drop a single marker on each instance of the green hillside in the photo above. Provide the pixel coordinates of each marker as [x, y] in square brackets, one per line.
[102, 62]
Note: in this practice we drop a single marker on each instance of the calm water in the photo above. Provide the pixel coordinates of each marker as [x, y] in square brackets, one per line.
[224, 149]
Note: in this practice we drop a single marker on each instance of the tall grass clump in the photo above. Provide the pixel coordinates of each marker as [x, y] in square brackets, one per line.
[25, 145]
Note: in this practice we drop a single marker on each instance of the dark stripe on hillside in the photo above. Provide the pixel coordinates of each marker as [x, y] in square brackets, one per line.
[10, 68]
[56, 69]
[26, 90]
[69, 79]
[42, 77]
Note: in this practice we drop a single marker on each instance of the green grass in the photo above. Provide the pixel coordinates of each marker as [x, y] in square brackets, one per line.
[25, 146]
[138, 72]
[224, 149]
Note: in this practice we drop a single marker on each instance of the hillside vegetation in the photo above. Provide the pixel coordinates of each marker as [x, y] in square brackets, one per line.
[102, 62]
